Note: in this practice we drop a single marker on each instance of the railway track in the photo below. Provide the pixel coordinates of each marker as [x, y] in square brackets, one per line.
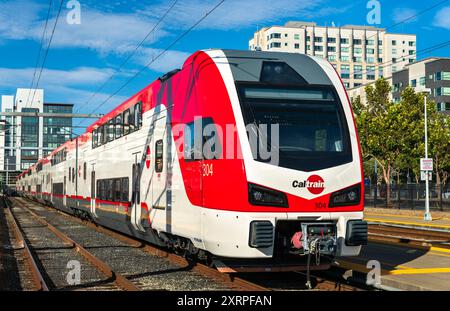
[246, 282]
[227, 282]
[111, 279]
[18, 250]
[409, 236]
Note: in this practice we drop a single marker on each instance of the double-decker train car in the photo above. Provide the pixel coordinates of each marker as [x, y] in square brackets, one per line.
[244, 157]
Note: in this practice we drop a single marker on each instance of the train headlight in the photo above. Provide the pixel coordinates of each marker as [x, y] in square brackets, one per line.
[262, 196]
[346, 197]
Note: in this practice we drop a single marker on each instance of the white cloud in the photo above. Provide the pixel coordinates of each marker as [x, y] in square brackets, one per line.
[69, 86]
[442, 18]
[78, 76]
[401, 14]
[168, 61]
[233, 14]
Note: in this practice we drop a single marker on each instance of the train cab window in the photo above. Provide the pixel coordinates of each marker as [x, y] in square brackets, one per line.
[110, 130]
[138, 115]
[119, 126]
[131, 119]
[125, 190]
[159, 156]
[126, 122]
[94, 139]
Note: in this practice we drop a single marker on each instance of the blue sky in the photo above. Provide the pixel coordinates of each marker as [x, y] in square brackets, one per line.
[83, 57]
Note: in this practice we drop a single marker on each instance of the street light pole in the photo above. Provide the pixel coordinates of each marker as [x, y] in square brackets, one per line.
[427, 215]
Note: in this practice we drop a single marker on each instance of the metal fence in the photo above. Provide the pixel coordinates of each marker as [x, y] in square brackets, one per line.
[408, 196]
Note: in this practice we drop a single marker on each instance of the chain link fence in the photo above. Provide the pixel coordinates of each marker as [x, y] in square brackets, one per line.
[408, 196]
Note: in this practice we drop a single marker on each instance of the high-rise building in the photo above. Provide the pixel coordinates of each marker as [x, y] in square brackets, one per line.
[30, 138]
[360, 54]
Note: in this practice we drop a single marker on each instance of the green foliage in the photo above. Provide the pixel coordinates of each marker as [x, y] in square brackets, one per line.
[393, 134]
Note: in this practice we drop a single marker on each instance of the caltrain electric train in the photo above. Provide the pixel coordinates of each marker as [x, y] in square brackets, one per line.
[244, 157]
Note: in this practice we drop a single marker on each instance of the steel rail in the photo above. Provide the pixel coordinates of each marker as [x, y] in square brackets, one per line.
[119, 279]
[235, 282]
[38, 279]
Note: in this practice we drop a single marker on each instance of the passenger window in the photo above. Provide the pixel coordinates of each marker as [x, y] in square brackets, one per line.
[117, 190]
[105, 133]
[138, 115]
[84, 170]
[209, 148]
[110, 187]
[119, 126]
[94, 139]
[110, 130]
[73, 174]
[159, 152]
[131, 120]
[126, 120]
[125, 189]
[100, 136]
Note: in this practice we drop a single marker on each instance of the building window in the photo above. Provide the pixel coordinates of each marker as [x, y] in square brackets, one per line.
[275, 36]
[318, 39]
[308, 47]
[344, 40]
[394, 43]
[296, 46]
[370, 51]
[370, 60]
[318, 48]
[357, 51]
[412, 43]
[275, 45]
[357, 59]
[344, 58]
[308, 38]
[331, 40]
[370, 42]
[422, 81]
[332, 58]
[414, 83]
[331, 49]
[344, 49]
[297, 37]
[357, 41]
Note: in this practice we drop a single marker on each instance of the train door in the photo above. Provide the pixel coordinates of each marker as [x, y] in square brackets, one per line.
[159, 170]
[93, 193]
[136, 195]
[65, 191]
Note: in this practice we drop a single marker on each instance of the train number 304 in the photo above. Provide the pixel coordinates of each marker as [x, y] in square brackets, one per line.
[208, 170]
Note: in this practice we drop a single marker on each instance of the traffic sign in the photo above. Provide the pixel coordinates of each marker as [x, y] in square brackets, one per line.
[423, 175]
[426, 164]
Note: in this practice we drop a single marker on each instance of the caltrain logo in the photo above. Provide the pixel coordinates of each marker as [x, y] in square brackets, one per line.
[148, 158]
[315, 184]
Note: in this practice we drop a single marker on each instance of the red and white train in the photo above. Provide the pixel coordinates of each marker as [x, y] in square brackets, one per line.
[134, 170]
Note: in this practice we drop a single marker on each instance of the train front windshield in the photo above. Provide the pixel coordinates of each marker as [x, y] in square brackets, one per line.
[313, 132]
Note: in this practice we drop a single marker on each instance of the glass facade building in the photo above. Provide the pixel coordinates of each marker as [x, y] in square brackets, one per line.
[56, 130]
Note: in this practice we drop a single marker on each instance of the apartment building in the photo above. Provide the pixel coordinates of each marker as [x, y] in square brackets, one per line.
[360, 54]
[432, 73]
